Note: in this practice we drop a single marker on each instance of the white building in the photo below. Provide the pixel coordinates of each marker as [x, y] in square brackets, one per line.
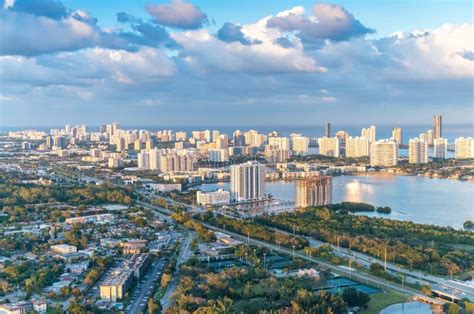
[464, 147]
[143, 160]
[384, 153]
[418, 151]
[115, 162]
[219, 197]
[329, 146]
[397, 136]
[282, 143]
[370, 133]
[299, 144]
[440, 147]
[357, 147]
[166, 187]
[63, 248]
[247, 181]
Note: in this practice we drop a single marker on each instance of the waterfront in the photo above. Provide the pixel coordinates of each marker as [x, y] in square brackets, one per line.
[442, 202]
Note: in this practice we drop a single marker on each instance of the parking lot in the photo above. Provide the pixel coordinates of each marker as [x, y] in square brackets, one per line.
[144, 289]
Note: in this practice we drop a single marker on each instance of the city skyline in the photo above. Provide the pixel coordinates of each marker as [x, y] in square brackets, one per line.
[300, 63]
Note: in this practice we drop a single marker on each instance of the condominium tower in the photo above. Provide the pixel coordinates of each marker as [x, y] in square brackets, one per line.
[438, 126]
[357, 147]
[247, 181]
[464, 147]
[417, 151]
[384, 153]
[329, 146]
[440, 147]
[313, 191]
[397, 136]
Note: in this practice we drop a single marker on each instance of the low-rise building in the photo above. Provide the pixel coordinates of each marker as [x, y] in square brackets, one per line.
[219, 197]
[115, 286]
[165, 188]
[63, 248]
[133, 246]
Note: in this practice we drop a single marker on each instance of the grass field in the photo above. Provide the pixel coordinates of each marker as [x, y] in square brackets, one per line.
[380, 300]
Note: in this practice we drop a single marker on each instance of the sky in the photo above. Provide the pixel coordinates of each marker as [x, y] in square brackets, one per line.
[243, 63]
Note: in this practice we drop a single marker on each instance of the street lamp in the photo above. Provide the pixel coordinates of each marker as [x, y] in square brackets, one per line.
[293, 251]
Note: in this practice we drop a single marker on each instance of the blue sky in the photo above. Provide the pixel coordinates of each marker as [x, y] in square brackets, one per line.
[235, 62]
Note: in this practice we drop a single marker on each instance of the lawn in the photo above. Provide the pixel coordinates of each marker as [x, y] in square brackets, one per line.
[380, 300]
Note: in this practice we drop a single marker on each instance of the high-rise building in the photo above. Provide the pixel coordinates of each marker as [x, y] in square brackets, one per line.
[239, 139]
[327, 130]
[384, 153]
[222, 141]
[464, 147]
[440, 147]
[429, 137]
[274, 154]
[370, 133]
[279, 142]
[417, 151]
[143, 160]
[137, 145]
[438, 126]
[181, 136]
[313, 191]
[329, 146]
[218, 155]
[254, 138]
[299, 144]
[397, 136]
[357, 147]
[342, 135]
[247, 181]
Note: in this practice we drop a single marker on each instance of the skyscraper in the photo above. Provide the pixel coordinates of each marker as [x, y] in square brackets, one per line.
[370, 133]
[357, 147]
[314, 191]
[440, 147]
[430, 137]
[417, 151]
[464, 147]
[438, 126]
[247, 181]
[384, 153]
[329, 146]
[299, 144]
[327, 130]
[397, 136]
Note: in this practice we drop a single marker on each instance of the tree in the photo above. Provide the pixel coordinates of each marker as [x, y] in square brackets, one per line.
[165, 280]
[76, 308]
[153, 307]
[354, 297]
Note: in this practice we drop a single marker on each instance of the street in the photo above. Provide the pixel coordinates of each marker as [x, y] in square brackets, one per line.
[145, 287]
[183, 256]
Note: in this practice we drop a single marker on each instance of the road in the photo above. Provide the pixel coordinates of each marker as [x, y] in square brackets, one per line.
[448, 286]
[145, 287]
[183, 256]
[436, 282]
[354, 274]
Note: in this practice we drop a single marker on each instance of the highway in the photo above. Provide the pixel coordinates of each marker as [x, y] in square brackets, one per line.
[353, 274]
[411, 276]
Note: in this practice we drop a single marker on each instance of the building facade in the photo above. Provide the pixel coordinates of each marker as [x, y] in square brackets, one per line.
[384, 153]
[417, 151]
[247, 181]
[313, 191]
